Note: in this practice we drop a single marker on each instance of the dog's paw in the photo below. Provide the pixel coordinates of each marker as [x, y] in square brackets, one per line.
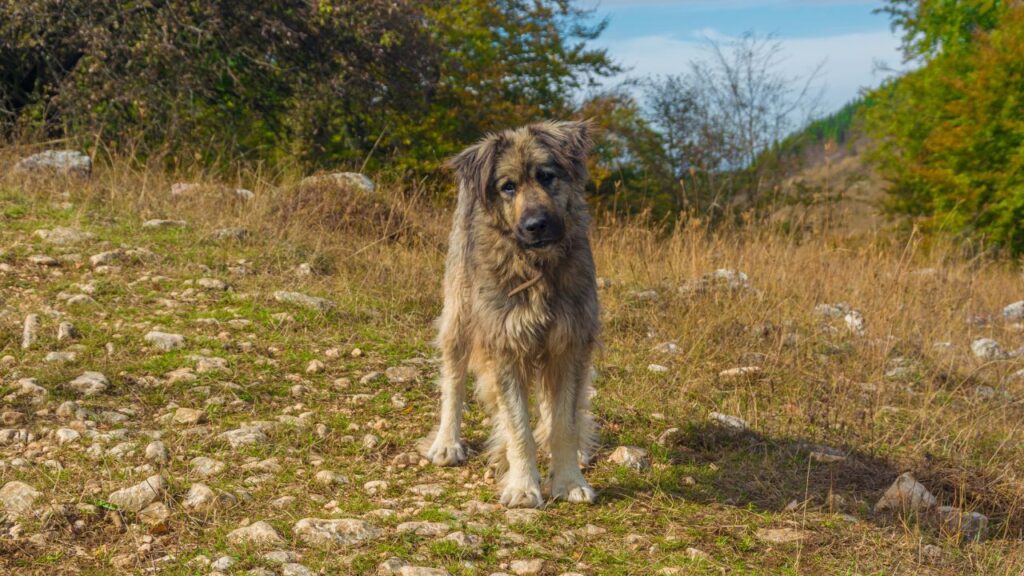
[572, 489]
[522, 495]
[446, 453]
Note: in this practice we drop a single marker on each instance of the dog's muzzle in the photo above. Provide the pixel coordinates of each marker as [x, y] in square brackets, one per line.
[539, 229]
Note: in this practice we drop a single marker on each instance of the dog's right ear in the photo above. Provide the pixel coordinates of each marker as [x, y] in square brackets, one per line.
[474, 166]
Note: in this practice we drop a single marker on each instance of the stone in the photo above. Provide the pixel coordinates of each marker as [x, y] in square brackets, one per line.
[30, 331]
[212, 284]
[66, 435]
[314, 367]
[164, 340]
[630, 456]
[294, 569]
[199, 497]
[60, 162]
[905, 494]
[90, 383]
[44, 260]
[697, 555]
[135, 498]
[157, 224]
[156, 514]
[81, 300]
[189, 416]
[527, 567]
[244, 436]
[62, 236]
[669, 437]
[304, 301]
[330, 478]
[729, 422]
[970, 526]
[464, 541]
[337, 532]
[206, 467]
[657, 369]
[230, 234]
[1014, 312]
[740, 372]
[27, 388]
[855, 322]
[401, 374]
[156, 452]
[257, 534]
[375, 487]
[428, 490]
[522, 515]
[345, 180]
[60, 357]
[67, 331]
[280, 557]
[434, 529]
[207, 364]
[223, 563]
[105, 258]
[781, 535]
[17, 497]
[987, 349]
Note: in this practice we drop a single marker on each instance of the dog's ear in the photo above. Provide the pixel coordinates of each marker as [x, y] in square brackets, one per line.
[474, 166]
[569, 142]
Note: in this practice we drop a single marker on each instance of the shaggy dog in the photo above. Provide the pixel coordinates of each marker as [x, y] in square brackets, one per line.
[520, 309]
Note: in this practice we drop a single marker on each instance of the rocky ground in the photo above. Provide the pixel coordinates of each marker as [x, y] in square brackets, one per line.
[180, 395]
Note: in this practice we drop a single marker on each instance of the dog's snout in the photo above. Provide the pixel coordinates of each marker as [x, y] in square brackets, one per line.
[536, 224]
[538, 228]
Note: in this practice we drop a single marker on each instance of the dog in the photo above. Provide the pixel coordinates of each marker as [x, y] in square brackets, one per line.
[520, 310]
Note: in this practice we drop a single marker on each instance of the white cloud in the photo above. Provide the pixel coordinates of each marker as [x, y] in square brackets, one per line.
[849, 59]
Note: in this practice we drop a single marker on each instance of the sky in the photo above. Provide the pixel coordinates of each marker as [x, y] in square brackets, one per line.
[663, 36]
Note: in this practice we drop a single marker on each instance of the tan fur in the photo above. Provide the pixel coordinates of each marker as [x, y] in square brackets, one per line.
[540, 338]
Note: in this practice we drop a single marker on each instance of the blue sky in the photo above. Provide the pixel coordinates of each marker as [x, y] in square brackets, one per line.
[663, 36]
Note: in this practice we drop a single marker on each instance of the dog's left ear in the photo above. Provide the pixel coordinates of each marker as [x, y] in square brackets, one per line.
[570, 143]
[474, 166]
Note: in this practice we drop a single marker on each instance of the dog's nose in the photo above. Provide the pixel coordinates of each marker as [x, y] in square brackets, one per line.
[536, 225]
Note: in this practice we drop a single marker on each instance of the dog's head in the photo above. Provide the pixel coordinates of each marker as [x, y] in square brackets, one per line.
[529, 179]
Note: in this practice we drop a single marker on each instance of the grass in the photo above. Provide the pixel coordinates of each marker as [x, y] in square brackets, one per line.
[708, 488]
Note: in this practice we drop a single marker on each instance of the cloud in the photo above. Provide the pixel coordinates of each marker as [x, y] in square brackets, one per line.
[849, 59]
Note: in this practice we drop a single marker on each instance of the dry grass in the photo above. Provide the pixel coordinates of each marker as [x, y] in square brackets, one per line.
[955, 421]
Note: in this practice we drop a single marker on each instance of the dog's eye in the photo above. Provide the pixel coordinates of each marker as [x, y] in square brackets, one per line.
[508, 188]
[545, 177]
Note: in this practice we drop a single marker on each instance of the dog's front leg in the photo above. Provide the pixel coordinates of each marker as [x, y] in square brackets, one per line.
[566, 411]
[445, 448]
[521, 484]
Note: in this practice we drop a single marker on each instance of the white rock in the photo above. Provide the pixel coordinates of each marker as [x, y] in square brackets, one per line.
[727, 421]
[206, 467]
[189, 416]
[740, 371]
[304, 301]
[66, 435]
[135, 498]
[226, 234]
[1014, 312]
[29, 331]
[781, 535]
[905, 493]
[527, 567]
[62, 236]
[401, 374]
[17, 497]
[105, 258]
[374, 487]
[987, 349]
[155, 514]
[62, 162]
[164, 341]
[631, 456]
[970, 526]
[343, 179]
[855, 322]
[244, 436]
[212, 284]
[223, 563]
[90, 383]
[199, 497]
[330, 478]
[434, 529]
[657, 368]
[156, 452]
[67, 331]
[256, 534]
[344, 532]
[60, 357]
[154, 224]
